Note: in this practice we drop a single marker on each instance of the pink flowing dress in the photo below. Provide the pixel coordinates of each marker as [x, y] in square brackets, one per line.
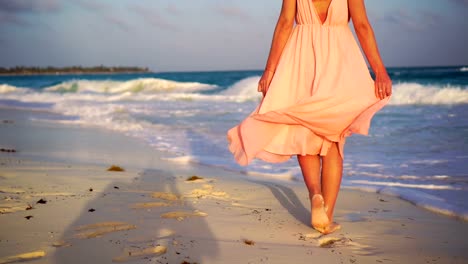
[321, 92]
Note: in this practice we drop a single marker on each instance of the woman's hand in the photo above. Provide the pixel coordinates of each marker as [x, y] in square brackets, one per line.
[383, 85]
[265, 81]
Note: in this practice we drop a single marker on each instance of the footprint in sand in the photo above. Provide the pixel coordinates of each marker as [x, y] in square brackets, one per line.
[206, 192]
[361, 249]
[11, 190]
[149, 238]
[164, 232]
[132, 254]
[23, 257]
[6, 208]
[52, 194]
[149, 205]
[169, 197]
[329, 242]
[100, 229]
[181, 215]
[356, 247]
[306, 237]
[165, 196]
[61, 244]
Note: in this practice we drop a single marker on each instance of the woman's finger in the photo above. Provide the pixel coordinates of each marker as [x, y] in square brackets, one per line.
[376, 89]
[261, 85]
[389, 89]
[382, 90]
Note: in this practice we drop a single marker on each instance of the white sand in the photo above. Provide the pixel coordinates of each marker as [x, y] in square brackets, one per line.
[150, 214]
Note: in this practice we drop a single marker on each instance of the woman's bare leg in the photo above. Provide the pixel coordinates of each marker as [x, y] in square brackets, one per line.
[310, 166]
[332, 171]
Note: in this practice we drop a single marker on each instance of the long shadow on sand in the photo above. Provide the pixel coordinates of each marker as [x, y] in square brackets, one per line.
[289, 200]
[123, 229]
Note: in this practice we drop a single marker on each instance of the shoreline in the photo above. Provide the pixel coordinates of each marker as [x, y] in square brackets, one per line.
[422, 200]
[151, 212]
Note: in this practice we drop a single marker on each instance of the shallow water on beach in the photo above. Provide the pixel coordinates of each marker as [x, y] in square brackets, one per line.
[417, 147]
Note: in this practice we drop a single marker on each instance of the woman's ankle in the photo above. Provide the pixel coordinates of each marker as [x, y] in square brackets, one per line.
[312, 194]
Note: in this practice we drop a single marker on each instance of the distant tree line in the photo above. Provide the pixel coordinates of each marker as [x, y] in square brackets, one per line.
[71, 70]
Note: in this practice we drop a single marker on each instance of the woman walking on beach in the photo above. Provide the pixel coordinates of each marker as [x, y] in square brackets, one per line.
[317, 90]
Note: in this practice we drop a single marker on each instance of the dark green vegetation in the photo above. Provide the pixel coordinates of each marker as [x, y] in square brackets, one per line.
[71, 70]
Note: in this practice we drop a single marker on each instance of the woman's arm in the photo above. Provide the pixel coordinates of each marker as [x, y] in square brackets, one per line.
[365, 34]
[283, 29]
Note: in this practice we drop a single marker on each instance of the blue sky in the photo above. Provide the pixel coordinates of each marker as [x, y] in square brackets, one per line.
[188, 35]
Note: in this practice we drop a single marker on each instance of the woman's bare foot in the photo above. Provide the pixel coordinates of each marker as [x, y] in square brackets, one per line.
[331, 228]
[320, 221]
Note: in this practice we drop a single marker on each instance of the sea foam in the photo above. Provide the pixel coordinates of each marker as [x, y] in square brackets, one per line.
[403, 93]
[246, 87]
[150, 89]
[418, 94]
[141, 85]
[5, 88]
